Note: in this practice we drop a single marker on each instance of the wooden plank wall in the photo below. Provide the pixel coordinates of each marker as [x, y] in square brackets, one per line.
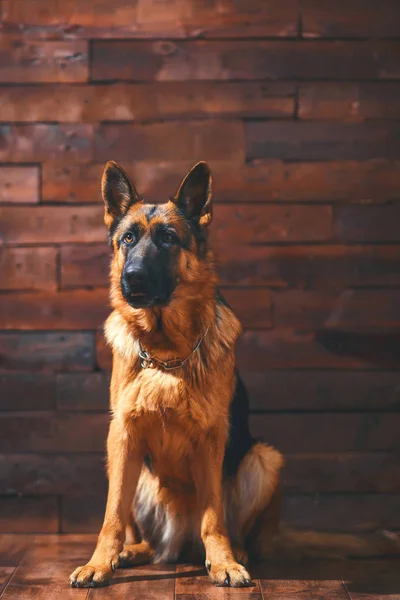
[296, 106]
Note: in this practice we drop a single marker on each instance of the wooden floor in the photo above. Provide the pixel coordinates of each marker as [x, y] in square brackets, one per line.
[37, 567]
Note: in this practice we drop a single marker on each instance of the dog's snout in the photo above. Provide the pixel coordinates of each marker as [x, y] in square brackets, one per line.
[136, 275]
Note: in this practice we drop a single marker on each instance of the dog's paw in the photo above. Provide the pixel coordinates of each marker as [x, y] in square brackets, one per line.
[92, 575]
[135, 554]
[228, 575]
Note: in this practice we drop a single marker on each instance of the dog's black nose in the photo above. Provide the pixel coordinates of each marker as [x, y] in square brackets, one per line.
[135, 276]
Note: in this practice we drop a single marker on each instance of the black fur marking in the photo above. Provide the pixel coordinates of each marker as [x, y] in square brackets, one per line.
[239, 440]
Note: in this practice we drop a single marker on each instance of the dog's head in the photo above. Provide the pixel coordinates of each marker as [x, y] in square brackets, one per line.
[157, 247]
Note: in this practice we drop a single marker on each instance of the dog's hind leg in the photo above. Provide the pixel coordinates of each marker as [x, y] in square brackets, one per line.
[251, 492]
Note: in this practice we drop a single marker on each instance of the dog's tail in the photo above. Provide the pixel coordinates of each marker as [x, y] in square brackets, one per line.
[293, 544]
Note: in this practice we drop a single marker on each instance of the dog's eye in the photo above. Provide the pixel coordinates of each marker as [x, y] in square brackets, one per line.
[128, 238]
[167, 238]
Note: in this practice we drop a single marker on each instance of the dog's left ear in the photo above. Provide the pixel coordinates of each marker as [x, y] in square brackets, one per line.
[194, 194]
[119, 193]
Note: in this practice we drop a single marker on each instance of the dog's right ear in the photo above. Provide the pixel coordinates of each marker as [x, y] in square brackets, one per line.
[119, 193]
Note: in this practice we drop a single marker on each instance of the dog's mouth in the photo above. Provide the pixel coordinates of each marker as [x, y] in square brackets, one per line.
[141, 300]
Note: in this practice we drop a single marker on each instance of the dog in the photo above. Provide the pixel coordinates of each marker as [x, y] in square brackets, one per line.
[185, 475]
[184, 472]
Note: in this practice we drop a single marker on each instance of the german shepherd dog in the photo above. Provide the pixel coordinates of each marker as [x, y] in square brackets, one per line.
[185, 475]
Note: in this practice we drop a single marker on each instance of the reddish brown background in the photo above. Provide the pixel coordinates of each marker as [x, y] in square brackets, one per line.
[297, 109]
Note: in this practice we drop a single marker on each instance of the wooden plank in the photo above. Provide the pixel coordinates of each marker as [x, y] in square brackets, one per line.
[27, 391]
[54, 474]
[342, 512]
[138, 102]
[28, 514]
[193, 583]
[29, 61]
[323, 390]
[5, 576]
[328, 432]
[354, 18]
[83, 513]
[52, 547]
[71, 224]
[13, 547]
[47, 580]
[28, 268]
[66, 310]
[259, 181]
[352, 310]
[324, 349]
[316, 267]
[150, 582]
[85, 265]
[218, 140]
[304, 589]
[351, 472]
[19, 184]
[140, 20]
[83, 391]
[248, 224]
[44, 141]
[349, 101]
[367, 223]
[53, 432]
[300, 140]
[232, 60]
[46, 351]
[253, 307]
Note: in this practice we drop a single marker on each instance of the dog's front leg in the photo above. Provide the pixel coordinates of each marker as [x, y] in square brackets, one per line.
[124, 465]
[207, 473]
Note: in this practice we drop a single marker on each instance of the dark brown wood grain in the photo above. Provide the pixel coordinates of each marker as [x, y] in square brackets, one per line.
[55, 474]
[67, 310]
[43, 142]
[323, 390]
[325, 348]
[24, 61]
[352, 310]
[167, 60]
[27, 391]
[322, 140]
[376, 181]
[335, 512]
[19, 184]
[44, 351]
[28, 268]
[5, 575]
[304, 590]
[331, 267]
[366, 224]
[71, 224]
[140, 102]
[140, 20]
[376, 472]
[354, 18]
[218, 140]
[328, 432]
[28, 514]
[83, 391]
[349, 101]
[83, 266]
[52, 432]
